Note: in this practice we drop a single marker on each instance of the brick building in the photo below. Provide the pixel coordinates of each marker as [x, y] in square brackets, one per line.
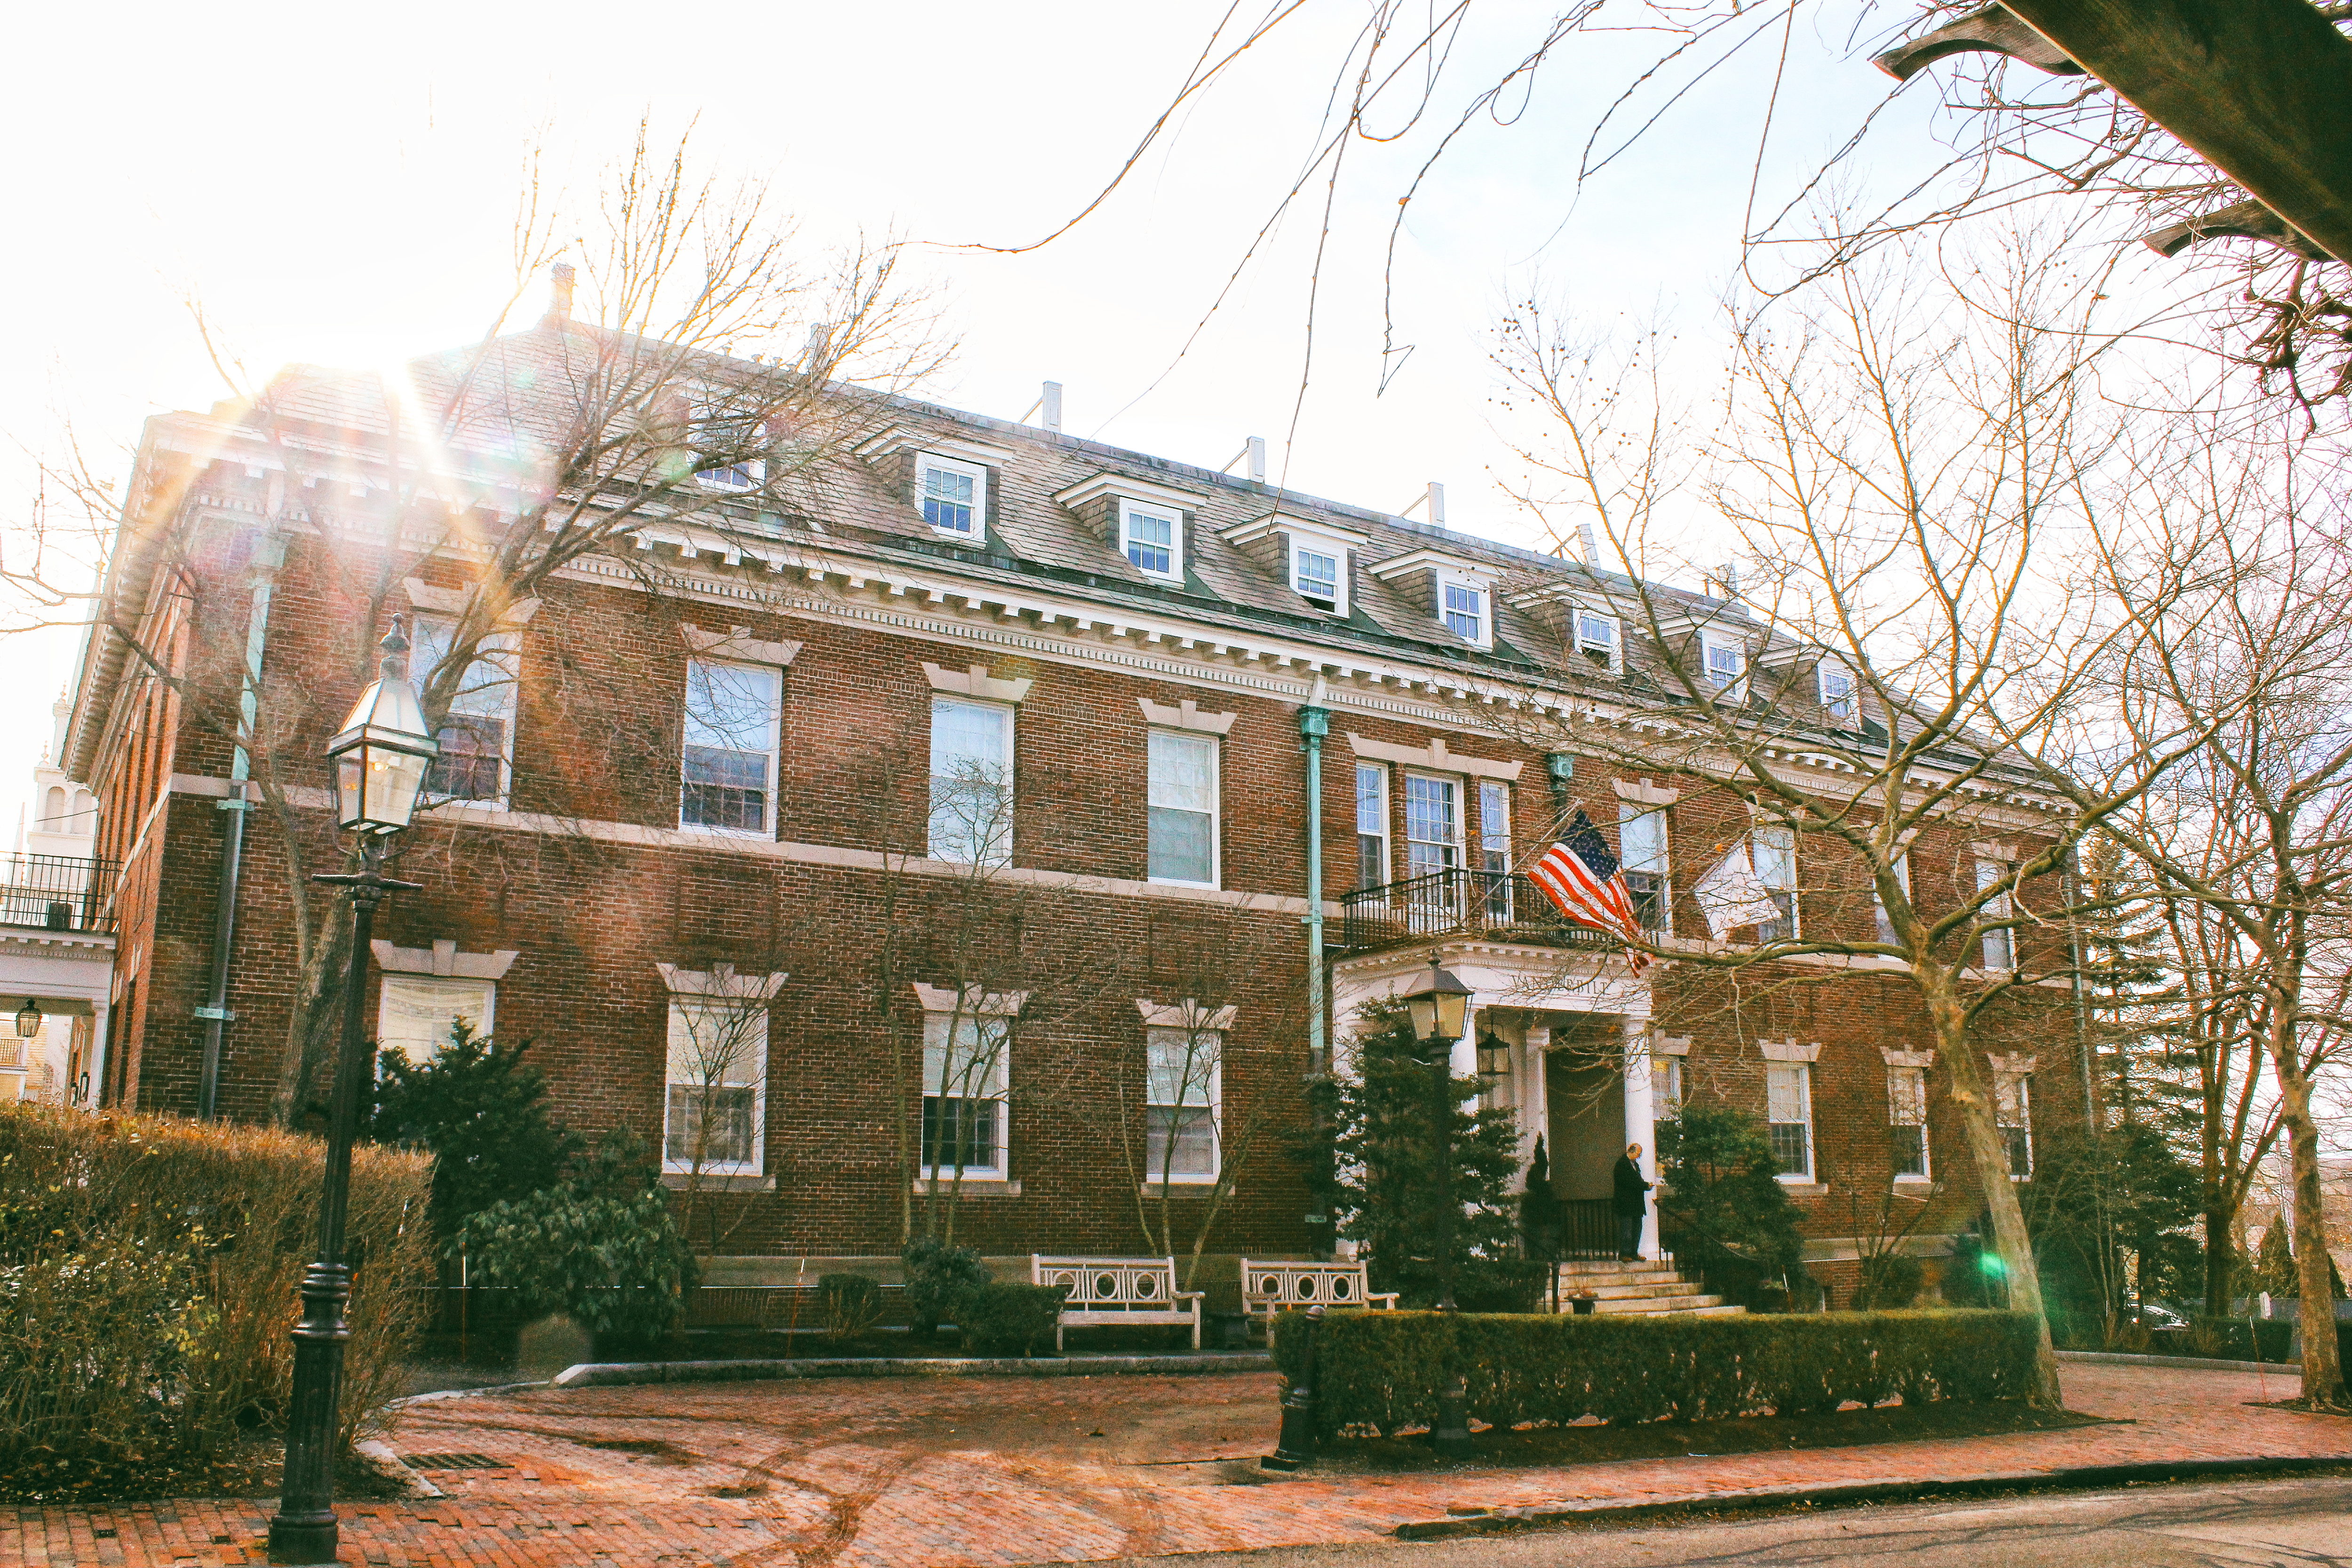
[986, 760]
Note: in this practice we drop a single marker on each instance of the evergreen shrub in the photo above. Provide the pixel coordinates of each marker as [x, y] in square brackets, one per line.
[1380, 1371]
[148, 1268]
[1007, 1316]
[937, 1273]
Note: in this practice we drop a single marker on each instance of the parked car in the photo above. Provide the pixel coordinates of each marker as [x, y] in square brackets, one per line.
[2149, 1315]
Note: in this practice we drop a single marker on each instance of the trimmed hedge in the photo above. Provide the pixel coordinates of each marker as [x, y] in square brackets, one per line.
[1381, 1370]
[1008, 1317]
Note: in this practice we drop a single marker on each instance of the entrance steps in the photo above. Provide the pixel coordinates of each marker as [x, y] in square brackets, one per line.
[1643, 1286]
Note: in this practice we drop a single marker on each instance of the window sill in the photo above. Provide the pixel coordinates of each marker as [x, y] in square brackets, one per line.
[756, 834]
[970, 1187]
[1179, 882]
[1803, 1189]
[1181, 1185]
[714, 1182]
[1914, 1186]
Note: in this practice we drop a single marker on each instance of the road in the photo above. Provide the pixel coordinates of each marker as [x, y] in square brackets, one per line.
[2306, 1523]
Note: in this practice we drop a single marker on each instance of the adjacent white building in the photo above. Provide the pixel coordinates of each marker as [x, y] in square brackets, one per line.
[56, 943]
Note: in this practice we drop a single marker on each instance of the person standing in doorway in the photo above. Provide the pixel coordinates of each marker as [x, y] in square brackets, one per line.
[1632, 1202]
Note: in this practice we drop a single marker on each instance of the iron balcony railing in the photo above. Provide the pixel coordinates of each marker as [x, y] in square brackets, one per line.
[57, 892]
[1459, 904]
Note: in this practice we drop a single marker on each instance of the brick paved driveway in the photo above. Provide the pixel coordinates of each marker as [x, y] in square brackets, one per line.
[922, 1473]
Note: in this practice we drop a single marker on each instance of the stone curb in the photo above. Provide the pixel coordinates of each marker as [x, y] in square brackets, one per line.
[2119, 1358]
[1500, 1520]
[605, 1374]
[432, 1395]
[384, 1461]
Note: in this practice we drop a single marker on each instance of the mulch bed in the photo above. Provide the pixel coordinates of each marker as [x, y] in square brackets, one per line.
[252, 1469]
[1591, 1443]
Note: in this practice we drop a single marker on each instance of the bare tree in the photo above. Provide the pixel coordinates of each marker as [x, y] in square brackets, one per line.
[697, 393]
[1874, 709]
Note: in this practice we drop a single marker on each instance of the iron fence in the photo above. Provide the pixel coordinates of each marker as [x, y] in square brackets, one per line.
[1459, 902]
[57, 892]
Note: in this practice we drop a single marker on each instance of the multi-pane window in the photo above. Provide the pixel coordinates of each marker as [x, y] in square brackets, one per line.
[1464, 611]
[732, 718]
[1184, 807]
[1666, 1085]
[1371, 825]
[2012, 1102]
[1181, 1104]
[954, 495]
[971, 782]
[1596, 638]
[2000, 944]
[1906, 1119]
[717, 1084]
[477, 737]
[1878, 905]
[965, 1073]
[1495, 847]
[724, 435]
[1837, 692]
[1642, 850]
[1316, 577]
[417, 1013]
[1775, 850]
[1433, 825]
[1789, 1095]
[1149, 536]
[1726, 667]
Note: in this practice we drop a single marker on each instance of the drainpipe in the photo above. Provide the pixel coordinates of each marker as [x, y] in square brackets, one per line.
[1314, 723]
[269, 556]
[2091, 1116]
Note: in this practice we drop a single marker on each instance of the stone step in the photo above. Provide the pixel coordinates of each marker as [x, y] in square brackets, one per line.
[1570, 1282]
[1645, 1290]
[1661, 1304]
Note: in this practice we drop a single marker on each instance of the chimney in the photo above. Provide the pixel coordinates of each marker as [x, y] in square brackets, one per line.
[559, 295]
[1051, 403]
[1589, 541]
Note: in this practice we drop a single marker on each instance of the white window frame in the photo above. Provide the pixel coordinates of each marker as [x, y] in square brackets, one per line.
[926, 461]
[1484, 635]
[1666, 1085]
[942, 1070]
[1335, 553]
[500, 653]
[1905, 1108]
[1823, 674]
[1378, 774]
[1611, 648]
[775, 753]
[1804, 1082]
[1216, 802]
[1452, 782]
[1212, 1105]
[1998, 951]
[1494, 848]
[999, 853]
[1628, 813]
[475, 1001]
[1128, 511]
[733, 479]
[1733, 689]
[1785, 837]
[2013, 1104]
[689, 1014]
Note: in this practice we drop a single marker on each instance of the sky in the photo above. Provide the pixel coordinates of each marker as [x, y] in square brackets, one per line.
[337, 187]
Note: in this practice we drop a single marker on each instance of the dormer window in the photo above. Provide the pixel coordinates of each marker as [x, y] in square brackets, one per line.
[1837, 692]
[1725, 665]
[1315, 576]
[1596, 638]
[953, 496]
[1466, 612]
[715, 433]
[1152, 538]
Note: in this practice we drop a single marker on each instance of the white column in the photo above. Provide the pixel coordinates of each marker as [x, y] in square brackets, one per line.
[1641, 1126]
[1463, 1061]
[1535, 1101]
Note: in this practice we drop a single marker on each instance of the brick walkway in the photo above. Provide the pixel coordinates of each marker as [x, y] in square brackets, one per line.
[922, 1474]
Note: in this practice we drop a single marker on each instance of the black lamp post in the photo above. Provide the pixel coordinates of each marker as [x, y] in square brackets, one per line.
[379, 761]
[1439, 1006]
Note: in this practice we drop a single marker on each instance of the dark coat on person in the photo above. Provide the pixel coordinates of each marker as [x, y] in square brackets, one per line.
[1632, 1192]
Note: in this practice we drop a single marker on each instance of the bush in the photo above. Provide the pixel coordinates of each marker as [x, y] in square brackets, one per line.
[482, 1114]
[1888, 1284]
[1724, 1210]
[937, 1273]
[1380, 1371]
[853, 1304]
[1007, 1316]
[601, 1246]
[148, 1268]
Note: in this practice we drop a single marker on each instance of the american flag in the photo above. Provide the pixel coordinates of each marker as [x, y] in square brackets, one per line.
[1582, 877]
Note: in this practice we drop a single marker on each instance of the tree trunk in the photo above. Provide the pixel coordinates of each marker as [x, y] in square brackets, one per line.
[2323, 1365]
[1948, 1017]
[2221, 1254]
[309, 1031]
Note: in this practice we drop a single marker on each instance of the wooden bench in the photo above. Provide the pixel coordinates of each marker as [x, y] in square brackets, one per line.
[1268, 1287]
[1110, 1292]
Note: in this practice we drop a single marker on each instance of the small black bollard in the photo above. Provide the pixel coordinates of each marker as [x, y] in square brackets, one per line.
[1296, 1450]
[1451, 1435]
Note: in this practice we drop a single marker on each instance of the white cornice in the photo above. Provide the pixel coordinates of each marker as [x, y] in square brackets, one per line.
[899, 438]
[1185, 715]
[1185, 1015]
[1128, 488]
[1434, 756]
[443, 959]
[1257, 527]
[1474, 570]
[738, 643]
[1788, 1050]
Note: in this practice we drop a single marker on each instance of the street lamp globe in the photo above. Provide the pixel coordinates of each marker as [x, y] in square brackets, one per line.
[381, 755]
[28, 1019]
[1437, 1003]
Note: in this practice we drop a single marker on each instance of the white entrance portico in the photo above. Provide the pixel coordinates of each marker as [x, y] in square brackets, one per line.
[1569, 1026]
